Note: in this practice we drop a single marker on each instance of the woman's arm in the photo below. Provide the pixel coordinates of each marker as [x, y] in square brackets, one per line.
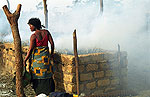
[31, 47]
[52, 43]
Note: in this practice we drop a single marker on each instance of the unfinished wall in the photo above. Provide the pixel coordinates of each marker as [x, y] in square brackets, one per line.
[7, 57]
[98, 73]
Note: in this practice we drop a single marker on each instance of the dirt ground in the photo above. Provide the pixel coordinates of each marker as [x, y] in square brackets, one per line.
[7, 88]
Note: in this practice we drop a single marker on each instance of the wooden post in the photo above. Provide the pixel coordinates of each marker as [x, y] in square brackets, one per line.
[76, 60]
[8, 4]
[118, 54]
[45, 13]
[13, 20]
[101, 6]
[119, 67]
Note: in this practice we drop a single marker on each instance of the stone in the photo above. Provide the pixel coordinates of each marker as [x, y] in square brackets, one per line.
[110, 55]
[91, 67]
[91, 58]
[85, 77]
[109, 89]
[115, 81]
[104, 82]
[109, 73]
[104, 66]
[81, 68]
[91, 85]
[99, 74]
[97, 92]
[82, 87]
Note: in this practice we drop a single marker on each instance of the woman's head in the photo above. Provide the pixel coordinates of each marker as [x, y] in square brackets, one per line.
[36, 23]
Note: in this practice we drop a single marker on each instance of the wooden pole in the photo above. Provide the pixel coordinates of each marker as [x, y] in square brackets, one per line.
[118, 54]
[119, 67]
[101, 6]
[13, 20]
[45, 13]
[76, 60]
[8, 4]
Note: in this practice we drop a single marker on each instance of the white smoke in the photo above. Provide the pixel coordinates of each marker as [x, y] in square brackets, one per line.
[123, 22]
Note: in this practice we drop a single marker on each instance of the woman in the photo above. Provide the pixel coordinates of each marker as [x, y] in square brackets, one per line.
[41, 68]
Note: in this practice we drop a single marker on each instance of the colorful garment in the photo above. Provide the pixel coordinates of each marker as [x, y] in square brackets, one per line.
[41, 67]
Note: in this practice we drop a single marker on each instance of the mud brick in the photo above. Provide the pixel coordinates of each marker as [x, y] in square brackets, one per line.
[91, 67]
[87, 76]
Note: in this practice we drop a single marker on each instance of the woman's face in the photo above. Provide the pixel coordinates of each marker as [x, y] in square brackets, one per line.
[32, 28]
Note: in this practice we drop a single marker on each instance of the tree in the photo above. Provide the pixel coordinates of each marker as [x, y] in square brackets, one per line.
[13, 20]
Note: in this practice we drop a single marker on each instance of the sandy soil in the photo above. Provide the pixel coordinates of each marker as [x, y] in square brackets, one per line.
[7, 88]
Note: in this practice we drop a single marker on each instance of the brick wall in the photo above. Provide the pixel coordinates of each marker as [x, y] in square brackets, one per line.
[98, 72]
[7, 57]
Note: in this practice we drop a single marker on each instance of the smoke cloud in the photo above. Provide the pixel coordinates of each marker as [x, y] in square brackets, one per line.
[124, 22]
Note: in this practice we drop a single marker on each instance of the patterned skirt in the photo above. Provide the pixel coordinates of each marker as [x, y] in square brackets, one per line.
[41, 66]
[42, 71]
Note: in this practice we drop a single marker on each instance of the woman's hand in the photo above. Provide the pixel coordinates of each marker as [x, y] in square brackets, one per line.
[24, 63]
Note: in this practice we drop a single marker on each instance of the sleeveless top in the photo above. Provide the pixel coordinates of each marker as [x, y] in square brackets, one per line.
[43, 42]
